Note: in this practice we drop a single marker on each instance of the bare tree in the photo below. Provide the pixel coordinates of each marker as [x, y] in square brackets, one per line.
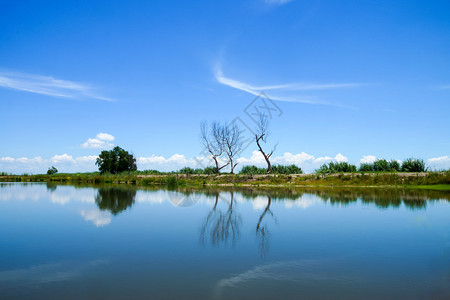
[232, 143]
[212, 141]
[262, 131]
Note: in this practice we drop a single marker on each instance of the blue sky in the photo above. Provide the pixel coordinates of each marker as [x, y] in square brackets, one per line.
[354, 80]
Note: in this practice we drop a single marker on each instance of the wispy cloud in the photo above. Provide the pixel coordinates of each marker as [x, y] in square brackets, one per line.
[277, 2]
[273, 92]
[101, 141]
[49, 86]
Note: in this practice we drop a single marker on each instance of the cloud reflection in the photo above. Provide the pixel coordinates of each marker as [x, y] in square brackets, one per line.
[38, 275]
[99, 218]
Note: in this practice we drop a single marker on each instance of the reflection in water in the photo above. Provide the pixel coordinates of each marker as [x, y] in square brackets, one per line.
[99, 218]
[379, 247]
[51, 187]
[290, 271]
[220, 225]
[262, 231]
[39, 275]
[183, 198]
[115, 199]
[382, 198]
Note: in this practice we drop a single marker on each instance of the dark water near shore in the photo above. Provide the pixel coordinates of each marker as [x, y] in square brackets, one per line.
[119, 242]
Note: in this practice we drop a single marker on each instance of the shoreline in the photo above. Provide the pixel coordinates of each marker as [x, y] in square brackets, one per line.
[424, 180]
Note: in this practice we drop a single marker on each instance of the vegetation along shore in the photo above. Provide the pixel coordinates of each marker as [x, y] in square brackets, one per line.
[428, 180]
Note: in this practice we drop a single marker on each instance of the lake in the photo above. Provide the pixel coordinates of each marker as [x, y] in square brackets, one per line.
[121, 242]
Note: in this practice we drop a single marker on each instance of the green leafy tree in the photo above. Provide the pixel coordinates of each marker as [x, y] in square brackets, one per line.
[115, 161]
[52, 171]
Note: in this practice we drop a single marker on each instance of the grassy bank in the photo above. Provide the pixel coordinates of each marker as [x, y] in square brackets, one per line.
[428, 180]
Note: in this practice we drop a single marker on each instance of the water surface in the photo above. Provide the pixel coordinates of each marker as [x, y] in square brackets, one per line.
[119, 242]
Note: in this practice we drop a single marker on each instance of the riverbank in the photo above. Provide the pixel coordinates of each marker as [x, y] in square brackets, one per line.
[424, 180]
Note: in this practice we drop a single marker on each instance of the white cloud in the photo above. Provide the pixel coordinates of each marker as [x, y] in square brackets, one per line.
[340, 158]
[439, 163]
[68, 163]
[86, 159]
[101, 141]
[46, 85]
[62, 158]
[282, 89]
[39, 165]
[26, 160]
[160, 163]
[368, 159]
[6, 158]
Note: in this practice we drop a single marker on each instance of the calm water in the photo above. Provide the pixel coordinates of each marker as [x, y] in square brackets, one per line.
[82, 242]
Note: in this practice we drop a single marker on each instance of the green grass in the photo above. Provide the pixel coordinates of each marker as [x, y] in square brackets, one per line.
[437, 187]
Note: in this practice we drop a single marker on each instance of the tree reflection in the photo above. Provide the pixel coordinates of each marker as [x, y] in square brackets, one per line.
[115, 199]
[262, 230]
[220, 225]
[51, 187]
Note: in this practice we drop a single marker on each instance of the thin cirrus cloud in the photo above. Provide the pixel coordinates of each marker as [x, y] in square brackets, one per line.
[101, 141]
[277, 2]
[276, 91]
[49, 86]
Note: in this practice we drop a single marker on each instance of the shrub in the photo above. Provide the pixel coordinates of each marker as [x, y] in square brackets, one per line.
[252, 170]
[336, 167]
[394, 165]
[291, 169]
[276, 169]
[413, 165]
[381, 165]
[187, 171]
[209, 170]
[190, 171]
[366, 168]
